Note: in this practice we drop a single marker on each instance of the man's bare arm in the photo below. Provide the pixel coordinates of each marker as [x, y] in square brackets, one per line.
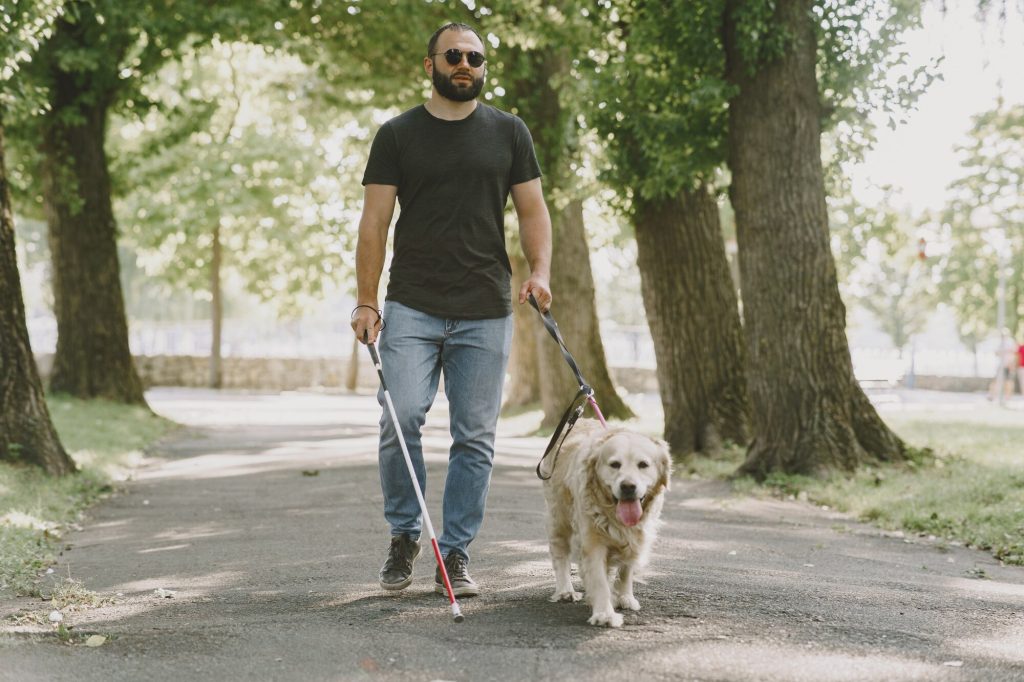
[378, 208]
[535, 236]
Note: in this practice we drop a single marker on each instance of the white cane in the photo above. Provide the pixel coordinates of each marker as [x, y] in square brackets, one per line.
[456, 611]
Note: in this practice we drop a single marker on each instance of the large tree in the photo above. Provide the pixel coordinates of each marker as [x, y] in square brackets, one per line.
[810, 414]
[658, 94]
[26, 430]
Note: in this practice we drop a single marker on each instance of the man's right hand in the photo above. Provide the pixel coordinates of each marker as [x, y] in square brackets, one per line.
[366, 323]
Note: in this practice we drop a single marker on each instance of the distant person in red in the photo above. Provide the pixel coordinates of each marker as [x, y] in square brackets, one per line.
[1020, 368]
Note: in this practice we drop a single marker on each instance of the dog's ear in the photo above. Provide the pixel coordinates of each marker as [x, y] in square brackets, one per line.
[664, 465]
[593, 483]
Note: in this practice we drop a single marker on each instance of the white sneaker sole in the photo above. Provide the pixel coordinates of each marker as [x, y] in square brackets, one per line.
[460, 591]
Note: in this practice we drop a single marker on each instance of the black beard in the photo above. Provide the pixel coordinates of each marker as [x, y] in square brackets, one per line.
[457, 93]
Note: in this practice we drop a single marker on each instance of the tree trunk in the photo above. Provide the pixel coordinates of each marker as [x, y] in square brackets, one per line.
[809, 413]
[694, 319]
[216, 312]
[524, 375]
[92, 358]
[26, 431]
[572, 286]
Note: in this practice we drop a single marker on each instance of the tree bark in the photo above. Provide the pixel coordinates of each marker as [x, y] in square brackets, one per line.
[216, 312]
[92, 358]
[574, 308]
[810, 415]
[523, 365]
[694, 319]
[26, 430]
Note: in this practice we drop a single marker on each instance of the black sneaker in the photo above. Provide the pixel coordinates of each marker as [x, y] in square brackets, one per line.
[396, 574]
[458, 575]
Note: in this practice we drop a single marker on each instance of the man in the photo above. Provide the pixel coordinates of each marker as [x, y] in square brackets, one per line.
[452, 164]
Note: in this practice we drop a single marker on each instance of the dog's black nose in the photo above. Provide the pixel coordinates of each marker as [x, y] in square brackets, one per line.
[627, 491]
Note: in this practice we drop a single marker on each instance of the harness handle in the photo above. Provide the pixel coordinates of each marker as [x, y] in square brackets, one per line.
[579, 402]
[569, 418]
[552, 327]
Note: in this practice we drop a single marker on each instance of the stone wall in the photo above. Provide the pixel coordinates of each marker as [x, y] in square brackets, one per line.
[279, 374]
[272, 374]
[958, 384]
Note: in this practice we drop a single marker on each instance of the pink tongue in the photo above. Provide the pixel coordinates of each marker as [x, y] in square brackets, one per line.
[629, 512]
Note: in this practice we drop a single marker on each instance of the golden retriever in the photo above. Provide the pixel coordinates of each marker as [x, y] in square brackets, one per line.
[604, 501]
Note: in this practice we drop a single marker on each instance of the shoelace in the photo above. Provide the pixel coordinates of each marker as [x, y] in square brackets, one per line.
[456, 568]
[400, 555]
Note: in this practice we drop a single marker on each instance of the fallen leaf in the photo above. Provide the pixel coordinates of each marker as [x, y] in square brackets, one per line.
[369, 665]
[95, 640]
[310, 472]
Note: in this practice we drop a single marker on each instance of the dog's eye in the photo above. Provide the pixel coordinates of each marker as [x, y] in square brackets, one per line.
[643, 465]
[615, 465]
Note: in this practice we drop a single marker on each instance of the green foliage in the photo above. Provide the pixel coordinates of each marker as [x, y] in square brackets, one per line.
[362, 51]
[249, 152]
[24, 25]
[864, 72]
[659, 96]
[984, 224]
[759, 35]
[876, 250]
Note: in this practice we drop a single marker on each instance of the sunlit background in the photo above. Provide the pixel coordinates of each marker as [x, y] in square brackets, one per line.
[303, 159]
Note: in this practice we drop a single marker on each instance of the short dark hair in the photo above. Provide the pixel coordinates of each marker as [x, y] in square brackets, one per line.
[452, 26]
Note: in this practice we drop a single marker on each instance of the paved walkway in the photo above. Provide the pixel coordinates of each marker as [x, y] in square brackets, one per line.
[274, 573]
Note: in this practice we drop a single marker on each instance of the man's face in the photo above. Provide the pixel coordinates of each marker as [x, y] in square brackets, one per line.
[461, 82]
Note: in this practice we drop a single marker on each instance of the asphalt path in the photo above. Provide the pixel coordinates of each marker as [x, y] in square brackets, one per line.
[263, 519]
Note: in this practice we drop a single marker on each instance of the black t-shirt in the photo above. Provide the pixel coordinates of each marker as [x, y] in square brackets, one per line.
[453, 179]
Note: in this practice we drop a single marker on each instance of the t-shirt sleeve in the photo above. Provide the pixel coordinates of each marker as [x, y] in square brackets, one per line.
[382, 166]
[524, 157]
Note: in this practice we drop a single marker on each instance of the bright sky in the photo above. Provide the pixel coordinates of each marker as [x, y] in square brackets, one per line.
[982, 61]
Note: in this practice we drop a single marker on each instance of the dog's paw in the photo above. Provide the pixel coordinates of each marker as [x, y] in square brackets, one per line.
[608, 619]
[627, 602]
[567, 595]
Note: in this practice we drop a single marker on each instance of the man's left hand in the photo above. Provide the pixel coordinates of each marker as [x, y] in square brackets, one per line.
[541, 290]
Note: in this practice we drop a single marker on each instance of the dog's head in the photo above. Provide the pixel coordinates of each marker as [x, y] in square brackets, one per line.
[630, 470]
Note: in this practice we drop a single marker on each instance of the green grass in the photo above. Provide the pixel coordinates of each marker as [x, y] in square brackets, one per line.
[969, 489]
[106, 440]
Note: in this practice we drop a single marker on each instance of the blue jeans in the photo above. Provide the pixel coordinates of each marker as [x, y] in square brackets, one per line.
[414, 349]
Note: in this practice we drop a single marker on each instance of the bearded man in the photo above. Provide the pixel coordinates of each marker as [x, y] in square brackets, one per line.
[451, 163]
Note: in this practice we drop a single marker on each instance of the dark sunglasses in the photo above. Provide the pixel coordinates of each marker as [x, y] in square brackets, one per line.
[454, 57]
